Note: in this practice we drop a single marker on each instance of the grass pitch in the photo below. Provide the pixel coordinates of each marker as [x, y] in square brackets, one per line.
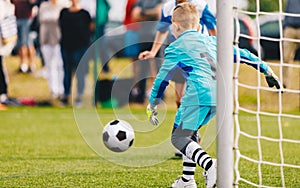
[43, 147]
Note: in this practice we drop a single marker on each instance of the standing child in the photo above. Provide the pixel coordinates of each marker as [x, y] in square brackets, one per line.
[195, 55]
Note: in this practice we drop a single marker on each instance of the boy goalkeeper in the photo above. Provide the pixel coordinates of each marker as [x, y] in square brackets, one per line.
[195, 55]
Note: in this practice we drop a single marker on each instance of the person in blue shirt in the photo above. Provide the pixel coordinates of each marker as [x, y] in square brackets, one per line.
[195, 55]
[206, 19]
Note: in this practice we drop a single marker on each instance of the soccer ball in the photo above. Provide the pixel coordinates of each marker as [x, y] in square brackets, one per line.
[118, 135]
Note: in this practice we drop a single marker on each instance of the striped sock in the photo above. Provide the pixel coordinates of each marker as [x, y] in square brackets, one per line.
[189, 168]
[198, 155]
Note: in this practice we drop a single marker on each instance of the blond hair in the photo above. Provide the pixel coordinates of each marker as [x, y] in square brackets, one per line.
[186, 16]
[181, 1]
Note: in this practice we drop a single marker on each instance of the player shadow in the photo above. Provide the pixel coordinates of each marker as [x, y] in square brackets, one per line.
[175, 158]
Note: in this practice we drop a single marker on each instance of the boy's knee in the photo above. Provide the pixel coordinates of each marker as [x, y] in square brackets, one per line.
[180, 141]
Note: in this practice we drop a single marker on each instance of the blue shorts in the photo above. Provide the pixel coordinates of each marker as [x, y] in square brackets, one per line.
[193, 117]
[24, 38]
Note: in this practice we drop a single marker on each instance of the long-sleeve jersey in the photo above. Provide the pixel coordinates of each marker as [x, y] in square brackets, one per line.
[207, 18]
[195, 55]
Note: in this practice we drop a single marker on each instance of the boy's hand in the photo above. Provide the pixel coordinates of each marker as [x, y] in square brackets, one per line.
[273, 80]
[152, 114]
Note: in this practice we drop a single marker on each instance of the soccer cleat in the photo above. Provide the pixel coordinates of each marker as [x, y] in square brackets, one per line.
[179, 183]
[211, 175]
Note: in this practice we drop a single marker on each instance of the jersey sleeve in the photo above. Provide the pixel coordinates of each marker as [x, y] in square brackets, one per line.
[250, 59]
[208, 19]
[164, 22]
[166, 72]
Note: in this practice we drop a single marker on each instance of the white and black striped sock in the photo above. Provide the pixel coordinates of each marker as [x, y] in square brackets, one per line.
[198, 155]
[189, 168]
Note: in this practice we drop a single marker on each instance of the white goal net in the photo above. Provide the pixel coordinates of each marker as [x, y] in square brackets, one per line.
[267, 122]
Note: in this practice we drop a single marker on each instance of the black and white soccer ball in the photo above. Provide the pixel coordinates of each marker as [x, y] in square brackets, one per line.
[118, 135]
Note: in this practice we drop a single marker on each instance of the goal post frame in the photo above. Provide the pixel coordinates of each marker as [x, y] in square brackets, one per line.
[225, 126]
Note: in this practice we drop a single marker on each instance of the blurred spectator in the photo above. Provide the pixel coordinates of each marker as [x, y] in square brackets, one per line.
[131, 37]
[102, 9]
[148, 14]
[113, 40]
[34, 28]
[49, 40]
[26, 50]
[125, 41]
[291, 31]
[7, 42]
[128, 20]
[101, 18]
[76, 26]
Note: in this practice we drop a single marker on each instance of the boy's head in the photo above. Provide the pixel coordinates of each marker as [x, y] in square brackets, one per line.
[185, 17]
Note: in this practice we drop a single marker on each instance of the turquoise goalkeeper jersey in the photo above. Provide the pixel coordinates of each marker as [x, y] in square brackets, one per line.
[195, 55]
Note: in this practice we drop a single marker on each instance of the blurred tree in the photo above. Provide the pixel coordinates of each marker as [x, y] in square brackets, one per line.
[266, 5]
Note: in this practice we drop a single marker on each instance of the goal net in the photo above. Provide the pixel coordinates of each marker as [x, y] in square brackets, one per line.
[267, 122]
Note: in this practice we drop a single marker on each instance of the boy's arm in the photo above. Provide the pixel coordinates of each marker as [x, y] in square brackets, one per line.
[254, 61]
[250, 59]
[161, 81]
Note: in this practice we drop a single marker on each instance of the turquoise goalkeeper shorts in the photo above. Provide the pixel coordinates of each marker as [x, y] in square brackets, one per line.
[194, 117]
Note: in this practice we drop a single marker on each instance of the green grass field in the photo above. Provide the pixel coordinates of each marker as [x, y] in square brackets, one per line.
[43, 147]
[61, 147]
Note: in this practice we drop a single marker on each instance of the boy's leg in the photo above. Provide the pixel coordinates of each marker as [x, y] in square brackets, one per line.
[186, 124]
[189, 166]
[181, 139]
[192, 150]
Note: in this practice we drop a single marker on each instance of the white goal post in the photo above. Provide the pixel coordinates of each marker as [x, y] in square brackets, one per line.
[224, 93]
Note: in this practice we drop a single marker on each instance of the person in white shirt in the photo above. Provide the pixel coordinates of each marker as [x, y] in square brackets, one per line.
[8, 38]
[49, 40]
